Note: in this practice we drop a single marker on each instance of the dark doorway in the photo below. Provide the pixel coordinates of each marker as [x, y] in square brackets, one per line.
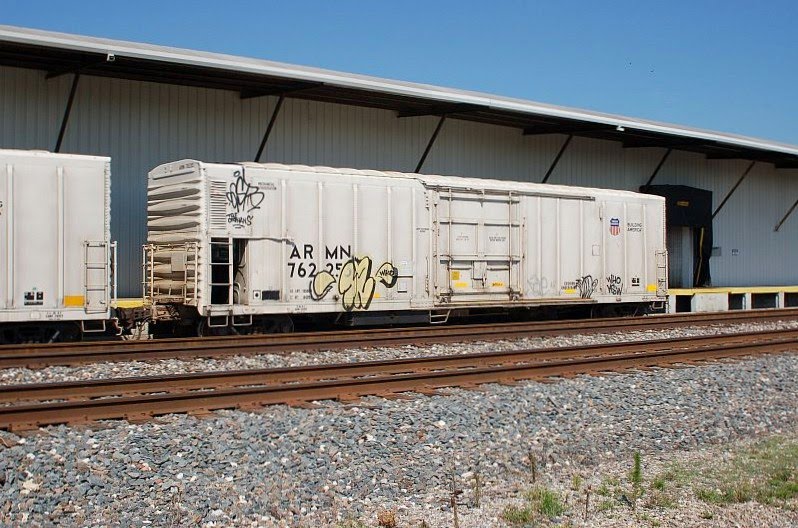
[681, 259]
[689, 227]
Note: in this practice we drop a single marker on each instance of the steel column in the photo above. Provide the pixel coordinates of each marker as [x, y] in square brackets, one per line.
[269, 127]
[786, 216]
[557, 158]
[659, 166]
[67, 111]
[430, 143]
[734, 188]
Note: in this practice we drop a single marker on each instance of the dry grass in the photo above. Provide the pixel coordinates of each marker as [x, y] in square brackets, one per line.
[386, 519]
[766, 473]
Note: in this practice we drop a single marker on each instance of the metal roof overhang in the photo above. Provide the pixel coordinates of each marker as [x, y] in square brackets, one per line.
[58, 54]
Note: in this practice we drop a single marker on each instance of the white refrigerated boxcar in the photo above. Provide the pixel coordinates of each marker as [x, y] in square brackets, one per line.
[56, 255]
[253, 245]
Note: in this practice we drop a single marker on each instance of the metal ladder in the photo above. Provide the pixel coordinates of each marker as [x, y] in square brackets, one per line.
[662, 272]
[107, 272]
[106, 269]
[191, 272]
[216, 264]
[188, 289]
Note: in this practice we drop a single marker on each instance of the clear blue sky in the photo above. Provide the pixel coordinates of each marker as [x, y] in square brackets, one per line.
[724, 65]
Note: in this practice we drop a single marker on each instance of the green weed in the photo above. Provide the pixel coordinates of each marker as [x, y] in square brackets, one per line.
[351, 523]
[659, 499]
[636, 476]
[606, 505]
[546, 501]
[518, 515]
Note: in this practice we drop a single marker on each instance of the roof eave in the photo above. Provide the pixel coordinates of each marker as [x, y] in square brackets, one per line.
[427, 93]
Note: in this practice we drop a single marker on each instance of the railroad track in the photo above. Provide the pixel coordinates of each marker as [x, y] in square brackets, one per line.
[44, 355]
[144, 397]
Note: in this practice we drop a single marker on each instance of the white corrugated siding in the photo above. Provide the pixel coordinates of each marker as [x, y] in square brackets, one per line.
[141, 125]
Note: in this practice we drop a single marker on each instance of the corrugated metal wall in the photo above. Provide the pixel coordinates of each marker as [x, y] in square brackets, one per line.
[141, 125]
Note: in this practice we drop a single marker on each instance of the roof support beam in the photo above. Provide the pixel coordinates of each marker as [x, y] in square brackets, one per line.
[290, 88]
[557, 158]
[734, 188]
[67, 111]
[74, 68]
[658, 167]
[440, 110]
[269, 127]
[52, 74]
[786, 216]
[539, 130]
[725, 155]
[731, 154]
[430, 143]
[632, 144]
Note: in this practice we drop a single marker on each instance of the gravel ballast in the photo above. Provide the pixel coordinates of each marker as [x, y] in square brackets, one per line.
[289, 466]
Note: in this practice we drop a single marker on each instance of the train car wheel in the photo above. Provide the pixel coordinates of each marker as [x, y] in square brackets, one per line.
[68, 333]
[279, 324]
[285, 325]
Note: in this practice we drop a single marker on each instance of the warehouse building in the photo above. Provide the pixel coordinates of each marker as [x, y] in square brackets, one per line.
[730, 198]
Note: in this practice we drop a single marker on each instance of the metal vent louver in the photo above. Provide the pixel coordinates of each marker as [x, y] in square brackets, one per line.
[218, 204]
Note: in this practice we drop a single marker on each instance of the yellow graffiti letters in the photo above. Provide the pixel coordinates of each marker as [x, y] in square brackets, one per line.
[321, 284]
[356, 284]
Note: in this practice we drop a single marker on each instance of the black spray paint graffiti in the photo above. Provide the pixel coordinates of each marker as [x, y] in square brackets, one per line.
[244, 198]
[615, 285]
[586, 286]
[356, 284]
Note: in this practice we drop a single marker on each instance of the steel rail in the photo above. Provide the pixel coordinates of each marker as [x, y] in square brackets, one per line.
[220, 379]
[43, 355]
[33, 415]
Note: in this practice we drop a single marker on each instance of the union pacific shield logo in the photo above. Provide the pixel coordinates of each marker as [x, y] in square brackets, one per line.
[615, 226]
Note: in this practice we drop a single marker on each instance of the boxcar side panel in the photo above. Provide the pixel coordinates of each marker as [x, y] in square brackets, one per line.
[52, 204]
[316, 240]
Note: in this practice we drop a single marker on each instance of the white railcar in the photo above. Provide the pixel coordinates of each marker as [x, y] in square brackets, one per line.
[253, 245]
[56, 254]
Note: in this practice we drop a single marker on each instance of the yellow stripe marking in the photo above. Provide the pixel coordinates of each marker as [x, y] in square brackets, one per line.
[74, 300]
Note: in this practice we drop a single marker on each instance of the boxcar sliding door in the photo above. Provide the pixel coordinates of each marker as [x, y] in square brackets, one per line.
[477, 245]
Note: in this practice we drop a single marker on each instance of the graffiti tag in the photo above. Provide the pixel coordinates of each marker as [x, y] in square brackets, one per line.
[244, 198]
[586, 286]
[355, 284]
[614, 285]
